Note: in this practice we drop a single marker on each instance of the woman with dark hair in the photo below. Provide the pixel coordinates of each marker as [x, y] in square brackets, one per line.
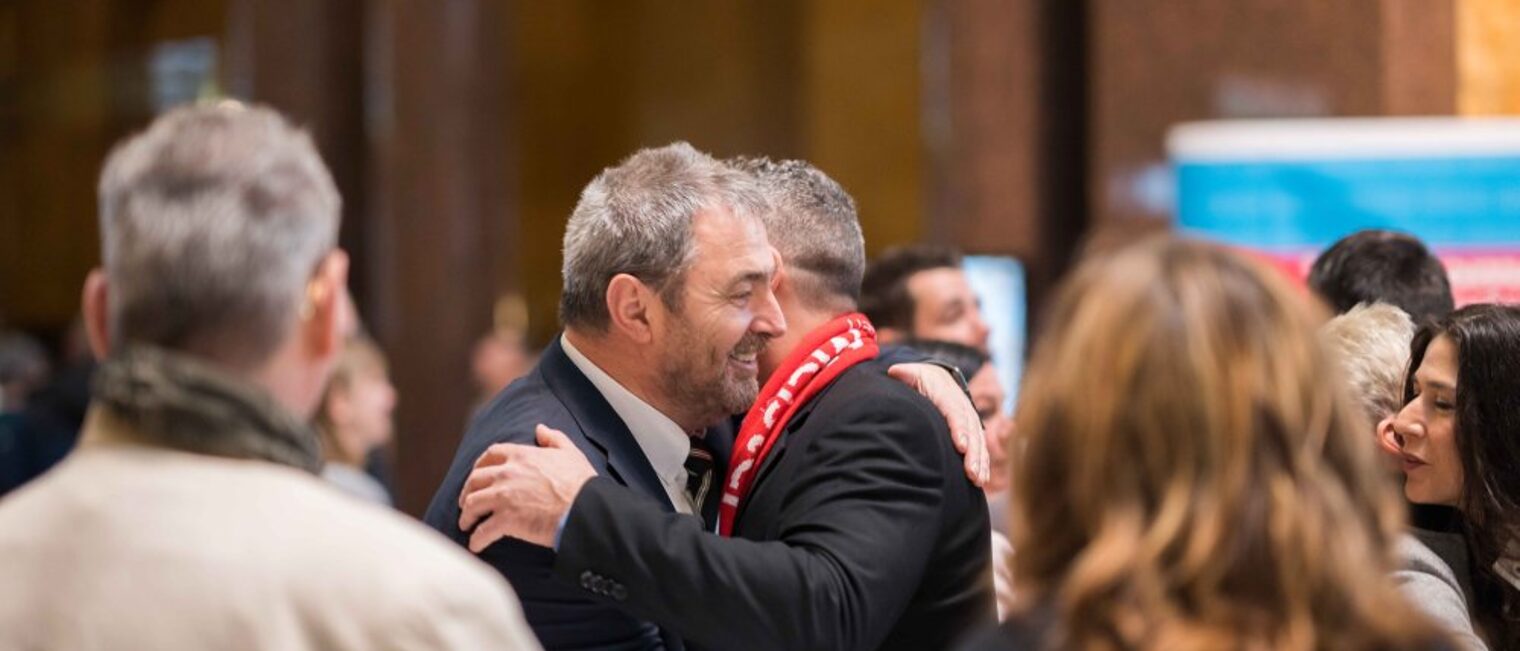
[1459, 434]
[1194, 475]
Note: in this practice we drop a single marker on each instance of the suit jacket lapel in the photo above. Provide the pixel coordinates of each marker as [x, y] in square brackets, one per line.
[601, 424]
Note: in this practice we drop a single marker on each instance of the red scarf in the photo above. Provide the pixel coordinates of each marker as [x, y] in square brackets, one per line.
[811, 367]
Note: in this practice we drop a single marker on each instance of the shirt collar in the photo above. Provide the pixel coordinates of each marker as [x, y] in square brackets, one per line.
[663, 441]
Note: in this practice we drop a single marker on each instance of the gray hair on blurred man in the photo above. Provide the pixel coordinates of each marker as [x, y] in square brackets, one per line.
[1371, 341]
[188, 517]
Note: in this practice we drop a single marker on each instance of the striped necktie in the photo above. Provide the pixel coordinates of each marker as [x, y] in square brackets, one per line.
[699, 481]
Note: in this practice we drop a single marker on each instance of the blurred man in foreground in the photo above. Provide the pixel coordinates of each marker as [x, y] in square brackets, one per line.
[189, 515]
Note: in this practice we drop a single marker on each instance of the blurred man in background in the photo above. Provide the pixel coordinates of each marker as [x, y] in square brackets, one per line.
[921, 291]
[919, 296]
[1374, 266]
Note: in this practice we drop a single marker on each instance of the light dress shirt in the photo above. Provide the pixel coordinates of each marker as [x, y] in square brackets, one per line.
[664, 443]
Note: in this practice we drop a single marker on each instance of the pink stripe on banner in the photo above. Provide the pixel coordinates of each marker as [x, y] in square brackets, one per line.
[1477, 275]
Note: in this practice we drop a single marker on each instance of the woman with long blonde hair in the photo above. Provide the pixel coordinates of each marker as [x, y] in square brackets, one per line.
[1192, 475]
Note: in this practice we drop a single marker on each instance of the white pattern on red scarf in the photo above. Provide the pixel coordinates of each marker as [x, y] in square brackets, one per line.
[821, 357]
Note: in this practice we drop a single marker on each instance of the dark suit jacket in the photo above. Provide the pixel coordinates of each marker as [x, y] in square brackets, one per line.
[564, 615]
[862, 532]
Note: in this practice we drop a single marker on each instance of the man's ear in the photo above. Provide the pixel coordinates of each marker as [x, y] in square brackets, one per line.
[631, 305]
[94, 304]
[1389, 440]
[778, 277]
[326, 314]
[780, 263]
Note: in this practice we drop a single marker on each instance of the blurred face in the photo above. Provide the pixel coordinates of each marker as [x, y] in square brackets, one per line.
[987, 396]
[372, 400]
[710, 352]
[497, 361]
[1427, 428]
[945, 308]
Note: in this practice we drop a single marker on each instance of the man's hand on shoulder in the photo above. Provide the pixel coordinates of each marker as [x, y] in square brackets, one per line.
[949, 397]
[523, 491]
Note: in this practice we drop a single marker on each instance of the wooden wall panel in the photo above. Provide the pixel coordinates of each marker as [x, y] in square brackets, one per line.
[861, 95]
[1488, 57]
[1005, 120]
[442, 210]
[1158, 62]
[74, 80]
[305, 58]
[604, 79]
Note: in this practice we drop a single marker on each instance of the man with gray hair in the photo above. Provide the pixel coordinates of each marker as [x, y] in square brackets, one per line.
[666, 303]
[1371, 342]
[189, 516]
[844, 522]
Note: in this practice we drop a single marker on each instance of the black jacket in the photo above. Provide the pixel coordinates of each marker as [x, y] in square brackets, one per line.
[862, 532]
[564, 615]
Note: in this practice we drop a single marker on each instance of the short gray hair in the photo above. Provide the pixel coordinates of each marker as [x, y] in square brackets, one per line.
[636, 218]
[212, 221]
[1371, 342]
[813, 223]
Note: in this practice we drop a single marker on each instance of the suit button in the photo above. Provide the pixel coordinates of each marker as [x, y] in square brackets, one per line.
[619, 592]
[587, 579]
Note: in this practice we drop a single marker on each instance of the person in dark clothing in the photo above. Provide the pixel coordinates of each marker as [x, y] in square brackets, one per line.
[38, 437]
[844, 520]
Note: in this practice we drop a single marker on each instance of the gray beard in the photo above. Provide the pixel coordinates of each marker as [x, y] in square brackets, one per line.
[711, 395]
[696, 377]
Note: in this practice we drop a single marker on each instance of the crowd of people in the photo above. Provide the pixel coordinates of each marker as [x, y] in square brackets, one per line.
[747, 437]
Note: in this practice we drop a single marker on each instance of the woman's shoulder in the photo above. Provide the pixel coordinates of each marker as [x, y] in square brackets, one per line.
[1417, 556]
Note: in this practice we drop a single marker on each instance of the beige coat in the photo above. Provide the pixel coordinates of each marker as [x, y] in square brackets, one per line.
[126, 546]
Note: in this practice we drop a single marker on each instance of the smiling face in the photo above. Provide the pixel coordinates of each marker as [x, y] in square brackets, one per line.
[1427, 427]
[726, 314]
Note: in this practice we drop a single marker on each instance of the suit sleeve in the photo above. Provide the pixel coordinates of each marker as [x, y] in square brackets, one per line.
[857, 527]
[561, 615]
